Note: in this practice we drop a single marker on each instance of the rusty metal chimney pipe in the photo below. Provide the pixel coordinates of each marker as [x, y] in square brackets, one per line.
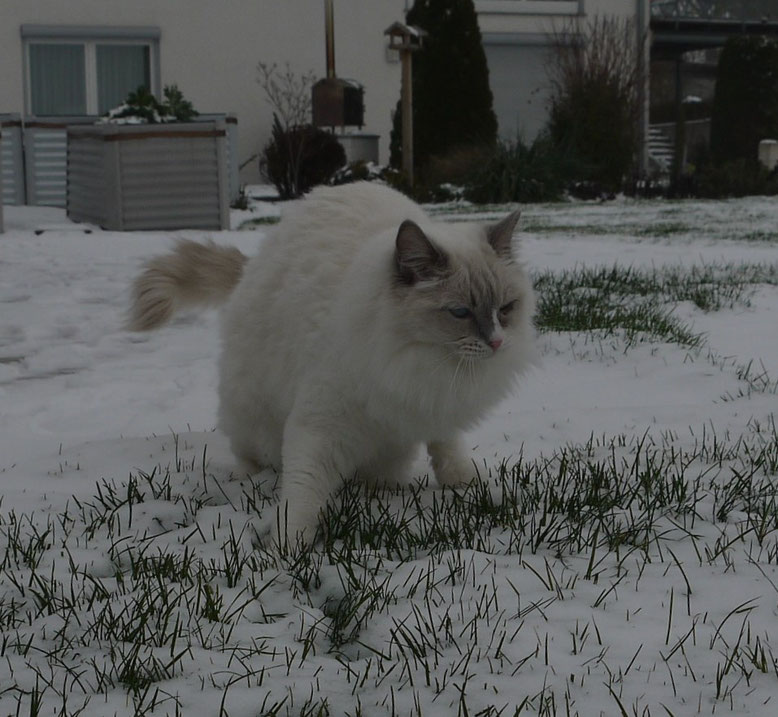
[329, 30]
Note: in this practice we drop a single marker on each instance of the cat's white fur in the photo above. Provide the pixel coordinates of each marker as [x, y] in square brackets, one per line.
[340, 353]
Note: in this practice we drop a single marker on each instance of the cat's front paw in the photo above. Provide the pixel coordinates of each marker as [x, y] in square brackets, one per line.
[461, 473]
[451, 466]
[291, 530]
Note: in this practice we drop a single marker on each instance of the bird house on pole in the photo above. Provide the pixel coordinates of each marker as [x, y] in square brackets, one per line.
[406, 39]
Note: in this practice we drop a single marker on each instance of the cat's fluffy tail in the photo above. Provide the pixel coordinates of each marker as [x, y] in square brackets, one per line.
[193, 274]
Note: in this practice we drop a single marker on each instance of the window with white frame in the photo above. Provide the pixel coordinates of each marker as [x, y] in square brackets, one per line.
[86, 70]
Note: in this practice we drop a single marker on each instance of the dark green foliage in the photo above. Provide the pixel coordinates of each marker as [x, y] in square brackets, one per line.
[299, 158]
[143, 104]
[452, 100]
[736, 178]
[514, 172]
[745, 111]
[745, 107]
[595, 75]
[147, 107]
[176, 106]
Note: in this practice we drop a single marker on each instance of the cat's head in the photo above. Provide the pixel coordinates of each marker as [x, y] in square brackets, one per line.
[460, 288]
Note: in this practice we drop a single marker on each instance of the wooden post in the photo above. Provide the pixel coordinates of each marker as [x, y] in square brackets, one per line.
[406, 40]
[407, 113]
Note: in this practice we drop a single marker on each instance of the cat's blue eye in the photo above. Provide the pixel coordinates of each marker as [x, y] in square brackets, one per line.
[460, 312]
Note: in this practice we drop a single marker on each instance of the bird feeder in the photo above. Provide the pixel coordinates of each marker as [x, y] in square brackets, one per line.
[406, 39]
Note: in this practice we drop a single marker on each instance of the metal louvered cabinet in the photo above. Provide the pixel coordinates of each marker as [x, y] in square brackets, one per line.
[157, 176]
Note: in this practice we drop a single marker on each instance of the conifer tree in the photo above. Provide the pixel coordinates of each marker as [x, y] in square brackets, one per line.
[452, 100]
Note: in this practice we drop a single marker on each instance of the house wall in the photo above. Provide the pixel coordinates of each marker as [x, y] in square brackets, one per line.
[211, 50]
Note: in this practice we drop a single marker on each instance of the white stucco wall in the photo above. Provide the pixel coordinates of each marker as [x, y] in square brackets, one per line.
[211, 49]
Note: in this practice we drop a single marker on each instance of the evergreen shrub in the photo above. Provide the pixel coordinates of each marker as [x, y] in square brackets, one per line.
[745, 105]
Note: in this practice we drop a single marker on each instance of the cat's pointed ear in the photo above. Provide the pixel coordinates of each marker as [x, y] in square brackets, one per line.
[416, 257]
[500, 235]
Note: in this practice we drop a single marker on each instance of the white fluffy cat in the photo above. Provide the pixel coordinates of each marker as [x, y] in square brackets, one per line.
[360, 330]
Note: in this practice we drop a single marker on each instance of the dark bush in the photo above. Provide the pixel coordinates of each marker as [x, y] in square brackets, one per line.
[737, 178]
[745, 106]
[594, 126]
[515, 172]
[297, 159]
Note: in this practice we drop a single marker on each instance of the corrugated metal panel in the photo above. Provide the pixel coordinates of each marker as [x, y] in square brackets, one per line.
[86, 187]
[181, 192]
[12, 160]
[232, 159]
[153, 176]
[1, 184]
[45, 154]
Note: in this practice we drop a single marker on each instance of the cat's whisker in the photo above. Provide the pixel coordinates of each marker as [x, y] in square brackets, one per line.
[471, 367]
[464, 367]
[444, 360]
[455, 375]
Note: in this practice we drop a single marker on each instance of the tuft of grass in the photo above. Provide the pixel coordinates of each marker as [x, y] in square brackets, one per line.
[254, 222]
[639, 304]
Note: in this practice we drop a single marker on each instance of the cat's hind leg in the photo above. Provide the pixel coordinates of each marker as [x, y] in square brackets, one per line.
[451, 463]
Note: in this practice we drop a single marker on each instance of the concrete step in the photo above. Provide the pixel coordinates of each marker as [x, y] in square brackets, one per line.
[661, 149]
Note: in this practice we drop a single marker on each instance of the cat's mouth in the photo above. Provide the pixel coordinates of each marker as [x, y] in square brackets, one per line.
[477, 350]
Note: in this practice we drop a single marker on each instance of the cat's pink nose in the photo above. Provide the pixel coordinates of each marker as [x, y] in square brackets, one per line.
[495, 344]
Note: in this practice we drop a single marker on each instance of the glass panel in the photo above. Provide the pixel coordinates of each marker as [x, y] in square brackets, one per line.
[120, 69]
[57, 79]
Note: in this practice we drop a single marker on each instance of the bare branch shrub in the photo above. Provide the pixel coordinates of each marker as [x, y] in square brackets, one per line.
[287, 92]
[298, 155]
[595, 72]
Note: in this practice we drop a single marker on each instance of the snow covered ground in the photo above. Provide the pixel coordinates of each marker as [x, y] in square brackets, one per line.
[110, 463]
